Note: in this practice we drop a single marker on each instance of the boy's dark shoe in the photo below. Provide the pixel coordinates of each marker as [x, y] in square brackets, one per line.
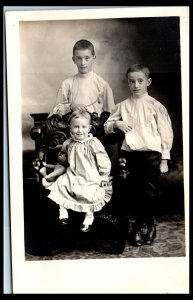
[137, 240]
[151, 235]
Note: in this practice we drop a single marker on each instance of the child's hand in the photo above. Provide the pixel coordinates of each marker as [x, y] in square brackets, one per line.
[163, 166]
[80, 107]
[123, 126]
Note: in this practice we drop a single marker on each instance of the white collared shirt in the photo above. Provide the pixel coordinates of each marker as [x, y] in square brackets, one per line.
[150, 122]
[89, 89]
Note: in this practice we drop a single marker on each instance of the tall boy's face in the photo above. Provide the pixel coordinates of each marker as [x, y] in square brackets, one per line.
[84, 60]
[138, 83]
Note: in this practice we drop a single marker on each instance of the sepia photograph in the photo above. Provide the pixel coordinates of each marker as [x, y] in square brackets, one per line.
[97, 124]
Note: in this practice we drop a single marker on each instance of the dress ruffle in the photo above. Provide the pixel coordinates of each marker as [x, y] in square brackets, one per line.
[80, 188]
[83, 207]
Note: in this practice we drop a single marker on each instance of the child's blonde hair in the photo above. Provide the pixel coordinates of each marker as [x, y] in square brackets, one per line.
[137, 68]
[80, 114]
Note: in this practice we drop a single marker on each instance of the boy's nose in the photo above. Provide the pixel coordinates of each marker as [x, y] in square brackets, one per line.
[83, 61]
[136, 84]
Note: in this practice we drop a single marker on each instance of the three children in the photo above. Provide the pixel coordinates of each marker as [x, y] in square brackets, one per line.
[84, 185]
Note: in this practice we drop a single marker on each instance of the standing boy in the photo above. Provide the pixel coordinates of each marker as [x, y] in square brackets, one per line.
[146, 147]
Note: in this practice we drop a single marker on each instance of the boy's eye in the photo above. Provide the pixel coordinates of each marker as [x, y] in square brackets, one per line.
[141, 80]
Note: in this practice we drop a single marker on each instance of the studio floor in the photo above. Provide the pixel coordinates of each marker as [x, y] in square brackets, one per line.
[170, 242]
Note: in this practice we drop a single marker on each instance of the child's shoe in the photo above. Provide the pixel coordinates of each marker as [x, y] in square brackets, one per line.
[64, 221]
[85, 228]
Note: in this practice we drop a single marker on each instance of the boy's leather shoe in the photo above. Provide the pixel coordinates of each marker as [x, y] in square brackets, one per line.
[137, 240]
[151, 235]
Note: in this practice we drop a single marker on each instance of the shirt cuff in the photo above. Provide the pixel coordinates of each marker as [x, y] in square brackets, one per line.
[165, 155]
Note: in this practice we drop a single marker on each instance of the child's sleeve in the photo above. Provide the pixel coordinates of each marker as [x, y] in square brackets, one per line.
[164, 126]
[63, 154]
[62, 158]
[102, 159]
[115, 116]
[108, 99]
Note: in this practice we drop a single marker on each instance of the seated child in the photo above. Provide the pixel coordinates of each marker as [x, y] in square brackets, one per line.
[146, 147]
[84, 185]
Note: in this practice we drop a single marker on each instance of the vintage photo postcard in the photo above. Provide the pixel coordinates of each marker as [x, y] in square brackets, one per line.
[98, 128]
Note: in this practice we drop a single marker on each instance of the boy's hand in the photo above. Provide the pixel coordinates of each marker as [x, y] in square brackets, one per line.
[123, 126]
[77, 107]
[163, 166]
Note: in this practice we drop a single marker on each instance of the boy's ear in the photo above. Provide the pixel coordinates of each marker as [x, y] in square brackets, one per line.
[149, 81]
[73, 59]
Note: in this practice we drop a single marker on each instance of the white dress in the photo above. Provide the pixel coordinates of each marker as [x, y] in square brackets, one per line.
[79, 188]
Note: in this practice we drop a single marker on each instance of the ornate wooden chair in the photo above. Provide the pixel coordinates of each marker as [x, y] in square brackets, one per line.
[110, 227]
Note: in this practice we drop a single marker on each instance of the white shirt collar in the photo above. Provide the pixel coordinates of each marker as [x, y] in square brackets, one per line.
[140, 98]
[87, 75]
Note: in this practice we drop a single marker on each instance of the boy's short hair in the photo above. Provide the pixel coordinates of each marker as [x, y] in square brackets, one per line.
[80, 114]
[83, 45]
[139, 67]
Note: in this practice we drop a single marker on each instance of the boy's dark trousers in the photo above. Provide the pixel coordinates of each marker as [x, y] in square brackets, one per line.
[142, 186]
